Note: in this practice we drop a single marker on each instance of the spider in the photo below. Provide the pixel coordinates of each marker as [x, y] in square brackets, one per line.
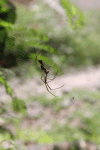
[45, 74]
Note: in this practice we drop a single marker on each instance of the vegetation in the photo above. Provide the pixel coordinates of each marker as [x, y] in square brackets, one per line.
[7, 18]
[76, 48]
[74, 45]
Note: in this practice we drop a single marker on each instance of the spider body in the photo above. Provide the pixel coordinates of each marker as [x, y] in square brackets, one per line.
[42, 66]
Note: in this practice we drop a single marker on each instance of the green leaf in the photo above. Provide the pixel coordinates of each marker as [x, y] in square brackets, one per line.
[8, 88]
[36, 40]
[3, 7]
[19, 105]
[5, 23]
[2, 35]
[2, 81]
[45, 139]
[75, 16]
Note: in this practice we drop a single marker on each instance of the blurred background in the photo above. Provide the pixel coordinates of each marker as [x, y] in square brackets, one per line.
[65, 35]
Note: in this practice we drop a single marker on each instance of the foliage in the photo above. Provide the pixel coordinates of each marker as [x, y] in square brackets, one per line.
[7, 14]
[17, 104]
[75, 17]
[75, 48]
[26, 41]
[7, 18]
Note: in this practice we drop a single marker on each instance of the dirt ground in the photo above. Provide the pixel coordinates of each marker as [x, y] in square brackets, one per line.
[87, 79]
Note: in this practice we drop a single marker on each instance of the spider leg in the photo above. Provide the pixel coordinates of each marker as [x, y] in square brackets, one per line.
[36, 60]
[36, 57]
[50, 81]
[53, 78]
[47, 84]
[50, 66]
[42, 78]
[49, 91]
[45, 78]
[55, 88]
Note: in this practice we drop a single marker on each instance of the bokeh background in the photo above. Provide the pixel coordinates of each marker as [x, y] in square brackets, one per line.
[31, 118]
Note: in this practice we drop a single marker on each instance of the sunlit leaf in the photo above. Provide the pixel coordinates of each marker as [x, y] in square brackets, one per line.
[5, 23]
[75, 16]
[19, 105]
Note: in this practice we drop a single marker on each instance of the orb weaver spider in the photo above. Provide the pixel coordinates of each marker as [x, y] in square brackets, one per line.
[45, 74]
